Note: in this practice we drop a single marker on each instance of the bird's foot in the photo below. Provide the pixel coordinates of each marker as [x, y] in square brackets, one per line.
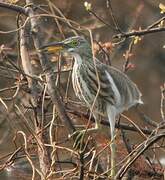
[78, 137]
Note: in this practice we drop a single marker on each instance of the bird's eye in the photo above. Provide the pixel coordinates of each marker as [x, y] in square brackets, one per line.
[74, 43]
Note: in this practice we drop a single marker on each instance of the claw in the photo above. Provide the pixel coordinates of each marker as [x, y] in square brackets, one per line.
[79, 140]
[78, 137]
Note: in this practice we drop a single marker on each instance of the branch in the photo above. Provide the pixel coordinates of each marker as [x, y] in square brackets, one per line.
[13, 7]
[162, 102]
[106, 123]
[46, 66]
[139, 33]
[50, 78]
[139, 151]
[43, 151]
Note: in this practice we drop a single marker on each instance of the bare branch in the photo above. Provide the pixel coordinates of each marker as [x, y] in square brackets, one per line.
[139, 151]
[13, 7]
[106, 123]
[139, 33]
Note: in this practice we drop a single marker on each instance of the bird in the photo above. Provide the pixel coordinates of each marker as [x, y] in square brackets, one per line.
[106, 90]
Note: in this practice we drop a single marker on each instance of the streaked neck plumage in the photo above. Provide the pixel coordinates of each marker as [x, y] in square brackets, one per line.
[83, 55]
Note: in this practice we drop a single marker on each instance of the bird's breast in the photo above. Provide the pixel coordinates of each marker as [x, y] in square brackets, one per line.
[84, 90]
[80, 87]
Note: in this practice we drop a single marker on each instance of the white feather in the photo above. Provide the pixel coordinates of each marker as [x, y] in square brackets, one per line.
[75, 81]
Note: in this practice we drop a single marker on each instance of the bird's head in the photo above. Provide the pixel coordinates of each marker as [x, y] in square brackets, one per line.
[72, 45]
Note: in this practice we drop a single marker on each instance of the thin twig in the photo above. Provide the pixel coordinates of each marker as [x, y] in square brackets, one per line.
[106, 123]
[162, 103]
[139, 33]
[127, 56]
[109, 6]
[146, 118]
[142, 148]
[101, 20]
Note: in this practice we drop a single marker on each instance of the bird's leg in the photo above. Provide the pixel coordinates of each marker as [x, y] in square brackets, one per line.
[113, 157]
[79, 135]
[97, 127]
[111, 117]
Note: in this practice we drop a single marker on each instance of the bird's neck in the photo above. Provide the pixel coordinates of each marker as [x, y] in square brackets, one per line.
[78, 59]
[83, 57]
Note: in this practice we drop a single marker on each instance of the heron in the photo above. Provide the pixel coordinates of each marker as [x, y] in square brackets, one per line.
[106, 91]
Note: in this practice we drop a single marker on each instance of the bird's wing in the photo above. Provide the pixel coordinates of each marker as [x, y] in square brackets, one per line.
[106, 92]
[130, 94]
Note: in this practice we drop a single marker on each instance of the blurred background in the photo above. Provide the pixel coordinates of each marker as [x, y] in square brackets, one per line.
[147, 56]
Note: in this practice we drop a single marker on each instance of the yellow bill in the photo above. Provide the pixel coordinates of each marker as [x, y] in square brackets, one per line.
[54, 48]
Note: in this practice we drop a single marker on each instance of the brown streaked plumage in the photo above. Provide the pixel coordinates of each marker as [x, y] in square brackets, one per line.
[116, 94]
